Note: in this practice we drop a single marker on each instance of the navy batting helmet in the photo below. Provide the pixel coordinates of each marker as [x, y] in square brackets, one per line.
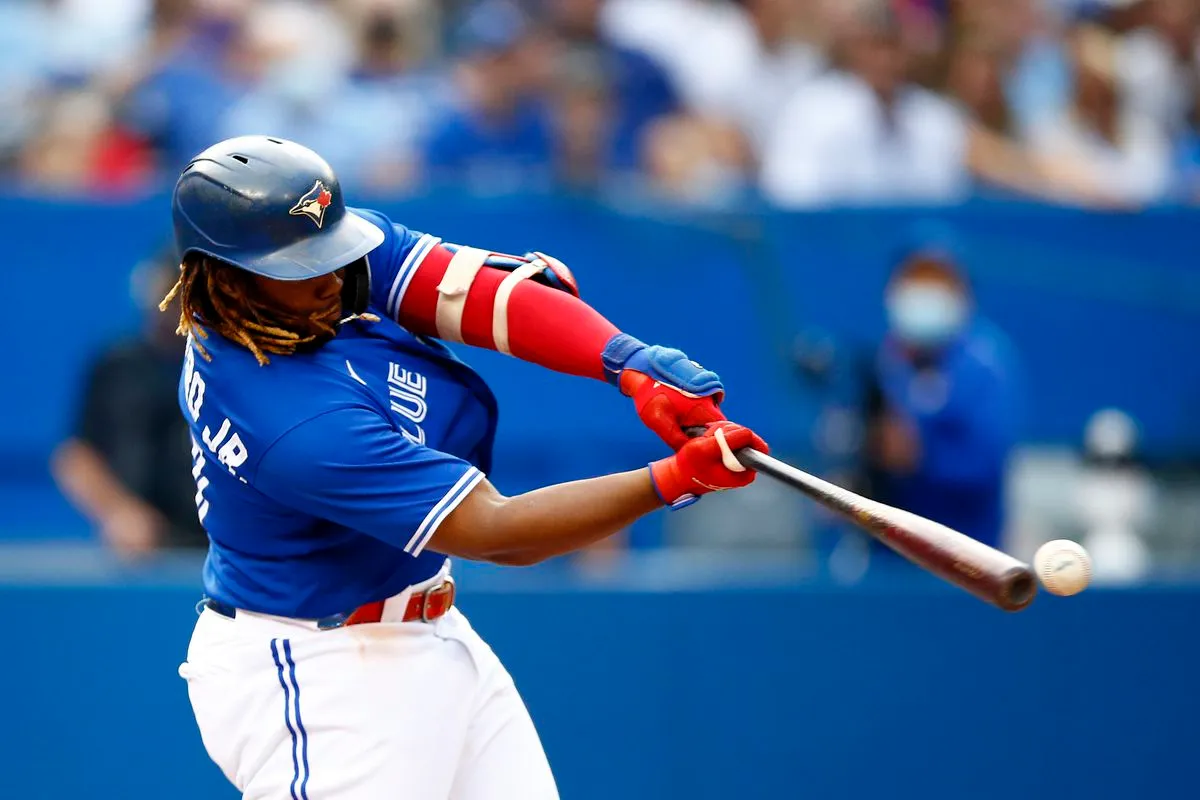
[269, 206]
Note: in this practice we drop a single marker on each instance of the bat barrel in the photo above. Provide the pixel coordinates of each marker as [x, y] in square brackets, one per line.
[985, 572]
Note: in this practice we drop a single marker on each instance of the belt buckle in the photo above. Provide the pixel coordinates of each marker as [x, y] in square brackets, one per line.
[445, 587]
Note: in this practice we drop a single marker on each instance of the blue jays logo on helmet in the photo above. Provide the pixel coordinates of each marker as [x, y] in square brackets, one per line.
[230, 201]
[313, 203]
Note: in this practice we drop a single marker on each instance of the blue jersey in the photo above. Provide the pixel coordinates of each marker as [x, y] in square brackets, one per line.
[322, 476]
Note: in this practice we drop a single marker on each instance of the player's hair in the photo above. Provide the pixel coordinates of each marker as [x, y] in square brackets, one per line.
[224, 298]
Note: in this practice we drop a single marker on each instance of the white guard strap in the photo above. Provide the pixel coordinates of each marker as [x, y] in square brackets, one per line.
[453, 290]
[503, 293]
[727, 457]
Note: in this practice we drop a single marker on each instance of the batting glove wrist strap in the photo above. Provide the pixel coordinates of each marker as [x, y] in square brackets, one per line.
[665, 365]
[620, 348]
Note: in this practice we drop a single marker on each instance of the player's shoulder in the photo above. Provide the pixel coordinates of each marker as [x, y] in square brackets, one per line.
[265, 401]
[394, 261]
[395, 234]
[375, 217]
[400, 242]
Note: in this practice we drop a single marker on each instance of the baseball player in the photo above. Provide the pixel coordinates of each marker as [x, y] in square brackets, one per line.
[340, 452]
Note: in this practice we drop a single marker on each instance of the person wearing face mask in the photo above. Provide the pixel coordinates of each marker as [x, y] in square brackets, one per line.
[946, 409]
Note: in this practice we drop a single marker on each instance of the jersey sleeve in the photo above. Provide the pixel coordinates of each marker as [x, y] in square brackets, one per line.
[485, 300]
[348, 466]
[393, 264]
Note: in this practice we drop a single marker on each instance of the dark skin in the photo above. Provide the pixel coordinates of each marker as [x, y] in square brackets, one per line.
[309, 297]
[487, 525]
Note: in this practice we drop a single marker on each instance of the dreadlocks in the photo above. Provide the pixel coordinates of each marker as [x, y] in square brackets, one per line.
[218, 295]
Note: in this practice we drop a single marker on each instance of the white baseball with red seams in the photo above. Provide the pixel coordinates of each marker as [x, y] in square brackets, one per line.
[1063, 567]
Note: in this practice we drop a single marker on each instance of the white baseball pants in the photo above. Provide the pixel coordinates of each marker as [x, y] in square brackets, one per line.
[389, 710]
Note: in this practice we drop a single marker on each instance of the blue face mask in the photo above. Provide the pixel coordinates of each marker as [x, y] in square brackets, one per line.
[926, 314]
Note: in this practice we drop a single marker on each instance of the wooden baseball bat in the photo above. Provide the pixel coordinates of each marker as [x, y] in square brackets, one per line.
[985, 572]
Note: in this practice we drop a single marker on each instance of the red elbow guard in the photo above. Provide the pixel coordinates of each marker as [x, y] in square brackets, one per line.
[457, 295]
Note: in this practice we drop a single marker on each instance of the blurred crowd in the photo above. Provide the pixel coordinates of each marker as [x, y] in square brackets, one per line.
[804, 102]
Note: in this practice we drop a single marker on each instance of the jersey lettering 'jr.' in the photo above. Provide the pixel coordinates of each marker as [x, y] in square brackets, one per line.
[322, 476]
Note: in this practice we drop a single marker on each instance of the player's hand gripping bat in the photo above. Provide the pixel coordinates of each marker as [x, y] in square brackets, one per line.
[985, 572]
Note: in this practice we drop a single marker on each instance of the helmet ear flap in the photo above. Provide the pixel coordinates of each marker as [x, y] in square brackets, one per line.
[356, 288]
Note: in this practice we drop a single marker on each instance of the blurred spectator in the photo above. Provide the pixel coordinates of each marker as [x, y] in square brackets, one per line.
[975, 79]
[940, 437]
[57, 129]
[77, 148]
[703, 154]
[868, 134]
[926, 30]
[685, 37]
[24, 61]
[127, 466]
[699, 161]
[639, 91]
[582, 100]
[865, 133]
[88, 37]
[1022, 40]
[197, 61]
[1185, 159]
[365, 113]
[104, 97]
[774, 66]
[1123, 150]
[499, 134]
[765, 46]
[397, 69]
[1155, 64]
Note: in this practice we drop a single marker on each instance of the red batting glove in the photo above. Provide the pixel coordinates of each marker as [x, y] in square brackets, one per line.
[670, 391]
[705, 464]
[667, 410]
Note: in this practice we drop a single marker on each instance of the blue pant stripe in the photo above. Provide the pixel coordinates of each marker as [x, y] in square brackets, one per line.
[287, 654]
[287, 714]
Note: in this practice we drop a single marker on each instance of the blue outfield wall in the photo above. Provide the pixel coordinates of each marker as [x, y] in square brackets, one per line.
[901, 689]
[1103, 309]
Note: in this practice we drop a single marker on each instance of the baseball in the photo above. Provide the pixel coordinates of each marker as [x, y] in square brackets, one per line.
[1063, 567]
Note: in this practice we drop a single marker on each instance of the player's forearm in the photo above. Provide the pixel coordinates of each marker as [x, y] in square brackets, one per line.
[569, 516]
[557, 331]
[547, 522]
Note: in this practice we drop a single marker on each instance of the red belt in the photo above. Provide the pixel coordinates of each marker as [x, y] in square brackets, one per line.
[425, 606]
